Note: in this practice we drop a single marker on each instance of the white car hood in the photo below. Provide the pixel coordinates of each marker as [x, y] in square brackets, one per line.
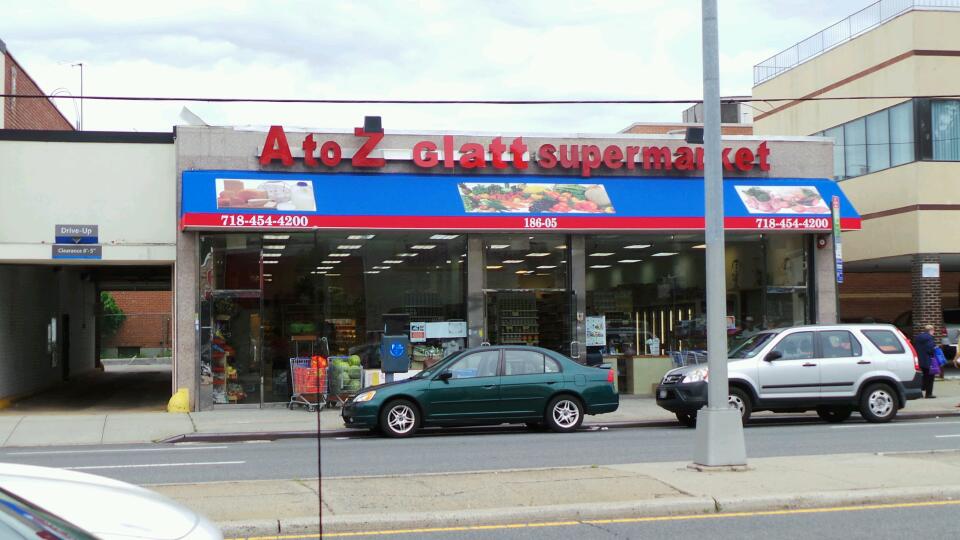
[106, 508]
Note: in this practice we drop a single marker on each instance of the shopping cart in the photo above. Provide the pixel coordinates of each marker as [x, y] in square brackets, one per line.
[344, 380]
[309, 384]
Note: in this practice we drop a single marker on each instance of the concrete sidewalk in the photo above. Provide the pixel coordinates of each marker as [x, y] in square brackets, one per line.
[112, 427]
[573, 493]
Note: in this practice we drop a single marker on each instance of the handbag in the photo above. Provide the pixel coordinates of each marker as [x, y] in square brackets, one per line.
[934, 368]
[941, 358]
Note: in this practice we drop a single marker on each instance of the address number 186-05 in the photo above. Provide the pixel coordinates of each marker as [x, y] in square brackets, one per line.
[540, 223]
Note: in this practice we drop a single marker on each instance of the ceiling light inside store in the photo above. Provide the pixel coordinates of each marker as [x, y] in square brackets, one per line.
[331, 262]
[546, 267]
[600, 266]
[629, 261]
[543, 273]
[271, 262]
[392, 261]
[333, 275]
[350, 246]
[276, 236]
[444, 236]
[537, 254]
[268, 281]
[423, 246]
[494, 266]
[499, 246]
[700, 246]
[381, 267]
[273, 254]
[637, 246]
[338, 255]
[372, 272]
[524, 272]
[601, 254]
[513, 261]
[407, 254]
[275, 246]
[268, 275]
[561, 246]
[360, 236]
[325, 267]
[664, 254]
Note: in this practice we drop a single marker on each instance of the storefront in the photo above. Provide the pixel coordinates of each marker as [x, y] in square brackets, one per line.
[580, 245]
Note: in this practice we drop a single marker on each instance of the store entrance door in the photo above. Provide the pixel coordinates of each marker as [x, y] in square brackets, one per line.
[539, 317]
[235, 337]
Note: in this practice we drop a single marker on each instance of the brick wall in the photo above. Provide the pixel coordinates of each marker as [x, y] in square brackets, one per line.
[927, 307]
[883, 296]
[147, 323]
[28, 113]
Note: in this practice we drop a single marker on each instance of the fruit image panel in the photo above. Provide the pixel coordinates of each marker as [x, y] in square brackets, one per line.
[782, 200]
[536, 198]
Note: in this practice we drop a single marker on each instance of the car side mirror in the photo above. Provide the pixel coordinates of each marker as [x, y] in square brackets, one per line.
[773, 355]
[445, 375]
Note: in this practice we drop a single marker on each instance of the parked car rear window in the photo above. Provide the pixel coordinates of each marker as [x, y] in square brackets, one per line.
[885, 340]
[838, 344]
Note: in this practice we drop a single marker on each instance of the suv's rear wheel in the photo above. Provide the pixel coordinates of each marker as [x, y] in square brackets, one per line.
[741, 401]
[687, 419]
[878, 403]
[834, 415]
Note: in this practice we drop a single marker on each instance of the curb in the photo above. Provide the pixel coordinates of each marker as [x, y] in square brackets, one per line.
[384, 523]
[626, 424]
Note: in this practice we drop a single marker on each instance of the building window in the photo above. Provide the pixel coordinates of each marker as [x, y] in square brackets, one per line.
[839, 167]
[902, 148]
[855, 147]
[946, 130]
[878, 141]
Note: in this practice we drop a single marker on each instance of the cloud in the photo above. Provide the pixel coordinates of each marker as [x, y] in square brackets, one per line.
[535, 49]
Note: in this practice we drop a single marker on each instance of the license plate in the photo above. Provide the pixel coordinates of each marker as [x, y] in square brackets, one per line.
[663, 394]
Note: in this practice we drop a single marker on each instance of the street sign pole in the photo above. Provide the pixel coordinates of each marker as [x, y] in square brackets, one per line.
[719, 437]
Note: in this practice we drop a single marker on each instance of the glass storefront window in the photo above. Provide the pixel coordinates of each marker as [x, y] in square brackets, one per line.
[651, 292]
[268, 298]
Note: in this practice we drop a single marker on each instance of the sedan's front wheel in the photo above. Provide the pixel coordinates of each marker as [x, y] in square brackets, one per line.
[564, 414]
[399, 418]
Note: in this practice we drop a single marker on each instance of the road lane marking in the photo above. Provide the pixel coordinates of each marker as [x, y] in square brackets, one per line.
[898, 424]
[574, 523]
[113, 451]
[146, 465]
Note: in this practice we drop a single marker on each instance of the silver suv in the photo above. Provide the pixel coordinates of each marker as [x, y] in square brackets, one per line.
[833, 369]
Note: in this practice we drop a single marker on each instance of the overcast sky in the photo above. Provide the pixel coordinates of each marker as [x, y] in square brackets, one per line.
[402, 49]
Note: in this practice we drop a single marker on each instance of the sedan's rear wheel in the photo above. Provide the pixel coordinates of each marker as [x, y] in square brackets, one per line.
[834, 415]
[564, 414]
[399, 418]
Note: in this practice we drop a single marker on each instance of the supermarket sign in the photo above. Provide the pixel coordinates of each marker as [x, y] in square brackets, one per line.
[501, 154]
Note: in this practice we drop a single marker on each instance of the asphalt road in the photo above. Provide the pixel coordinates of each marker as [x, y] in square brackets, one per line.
[883, 521]
[478, 450]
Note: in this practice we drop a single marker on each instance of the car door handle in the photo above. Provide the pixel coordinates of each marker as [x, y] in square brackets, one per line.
[808, 364]
[489, 387]
[551, 382]
[863, 362]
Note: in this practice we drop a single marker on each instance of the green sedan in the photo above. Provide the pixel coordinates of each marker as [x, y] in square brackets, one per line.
[485, 386]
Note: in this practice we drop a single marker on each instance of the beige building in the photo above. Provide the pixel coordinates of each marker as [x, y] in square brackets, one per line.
[895, 156]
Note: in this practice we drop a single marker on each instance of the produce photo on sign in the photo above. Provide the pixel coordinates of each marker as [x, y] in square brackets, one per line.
[282, 195]
[535, 198]
[782, 200]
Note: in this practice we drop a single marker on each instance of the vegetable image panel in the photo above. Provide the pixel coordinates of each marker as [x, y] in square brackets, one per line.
[535, 198]
[282, 195]
[782, 200]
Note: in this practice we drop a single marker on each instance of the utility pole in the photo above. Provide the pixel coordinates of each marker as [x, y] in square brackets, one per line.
[719, 437]
[80, 122]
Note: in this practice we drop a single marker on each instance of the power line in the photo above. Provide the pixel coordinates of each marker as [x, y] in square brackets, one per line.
[471, 101]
